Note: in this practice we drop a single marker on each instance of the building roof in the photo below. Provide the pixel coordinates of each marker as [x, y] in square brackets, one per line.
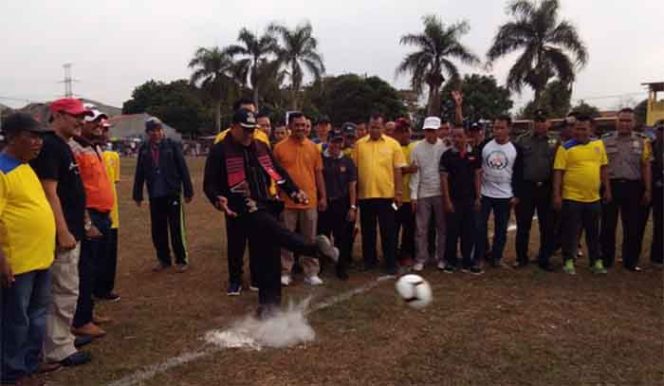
[127, 126]
[654, 86]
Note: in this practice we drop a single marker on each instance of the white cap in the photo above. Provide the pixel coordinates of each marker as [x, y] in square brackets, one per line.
[431, 123]
[96, 114]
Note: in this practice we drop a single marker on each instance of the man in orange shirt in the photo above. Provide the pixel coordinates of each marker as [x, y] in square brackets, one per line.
[302, 160]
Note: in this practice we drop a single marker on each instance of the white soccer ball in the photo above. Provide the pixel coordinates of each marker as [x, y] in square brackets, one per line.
[414, 290]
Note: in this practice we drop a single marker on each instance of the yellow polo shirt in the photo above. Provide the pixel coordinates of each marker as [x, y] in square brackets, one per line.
[112, 161]
[375, 162]
[581, 164]
[407, 150]
[27, 224]
[259, 135]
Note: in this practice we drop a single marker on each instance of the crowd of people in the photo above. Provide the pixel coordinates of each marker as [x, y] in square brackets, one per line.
[293, 198]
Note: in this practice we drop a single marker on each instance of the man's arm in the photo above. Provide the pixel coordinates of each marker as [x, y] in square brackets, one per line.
[558, 189]
[646, 173]
[478, 187]
[184, 173]
[517, 173]
[457, 96]
[606, 183]
[414, 182]
[398, 186]
[320, 188]
[214, 177]
[64, 236]
[445, 187]
[139, 178]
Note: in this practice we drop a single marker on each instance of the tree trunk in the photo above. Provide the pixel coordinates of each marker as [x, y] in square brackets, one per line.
[433, 108]
[538, 98]
[217, 116]
[294, 88]
[256, 97]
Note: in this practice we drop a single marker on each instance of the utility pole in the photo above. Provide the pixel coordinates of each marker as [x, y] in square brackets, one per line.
[68, 81]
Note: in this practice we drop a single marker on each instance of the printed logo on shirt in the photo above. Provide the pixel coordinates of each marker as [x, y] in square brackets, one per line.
[497, 160]
[74, 166]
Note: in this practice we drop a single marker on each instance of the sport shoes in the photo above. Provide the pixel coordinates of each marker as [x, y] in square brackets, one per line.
[441, 265]
[76, 359]
[598, 268]
[449, 269]
[234, 289]
[313, 280]
[253, 287]
[286, 280]
[326, 249]
[569, 267]
[181, 268]
[417, 267]
[475, 271]
[635, 268]
[159, 267]
[111, 297]
[89, 329]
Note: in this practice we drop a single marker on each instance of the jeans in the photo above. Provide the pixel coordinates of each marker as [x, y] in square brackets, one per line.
[373, 212]
[24, 308]
[535, 197]
[501, 216]
[576, 216]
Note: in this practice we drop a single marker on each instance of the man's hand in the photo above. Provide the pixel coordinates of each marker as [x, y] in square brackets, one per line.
[514, 202]
[66, 241]
[139, 203]
[188, 199]
[607, 197]
[410, 169]
[478, 204]
[457, 97]
[398, 200]
[557, 202]
[6, 274]
[448, 206]
[93, 233]
[300, 197]
[322, 205]
[647, 197]
[352, 215]
[222, 204]
[413, 205]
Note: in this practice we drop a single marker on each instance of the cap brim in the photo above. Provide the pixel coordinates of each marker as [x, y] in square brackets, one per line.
[430, 128]
[248, 125]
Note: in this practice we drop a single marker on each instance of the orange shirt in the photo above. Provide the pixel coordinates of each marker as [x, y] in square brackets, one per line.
[302, 160]
[98, 187]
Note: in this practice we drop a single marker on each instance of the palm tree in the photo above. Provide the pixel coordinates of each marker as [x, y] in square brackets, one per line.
[215, 71]
[547, 46]
[437, 45]
[298, 50]
[255, 52]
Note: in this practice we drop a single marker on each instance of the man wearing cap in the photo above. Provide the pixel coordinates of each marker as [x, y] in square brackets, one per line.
[27, 248]
[59, 175]
[348, 130]
[341, 187]
[238, 173]
[425, 194]
[162, 167]
[629, 158]
[261, 135]
[302, 160]
[379, 160]
[475, 134]
[533, 189]
[405, 215]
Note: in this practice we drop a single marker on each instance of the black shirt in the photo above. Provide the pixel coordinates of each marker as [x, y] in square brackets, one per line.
[56, 162]
[461, 173]
[338, 173]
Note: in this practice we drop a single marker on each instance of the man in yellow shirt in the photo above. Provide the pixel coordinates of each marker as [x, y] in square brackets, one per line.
[405, 214]
[27, 247]
[379, 160]
[579, 172]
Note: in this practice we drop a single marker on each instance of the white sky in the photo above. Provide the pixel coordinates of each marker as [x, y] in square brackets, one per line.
[117, 45]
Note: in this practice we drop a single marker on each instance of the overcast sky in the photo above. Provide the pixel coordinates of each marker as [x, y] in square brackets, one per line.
[117, 45]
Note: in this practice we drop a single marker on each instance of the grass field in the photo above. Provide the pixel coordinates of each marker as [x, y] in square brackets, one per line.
[505, 327]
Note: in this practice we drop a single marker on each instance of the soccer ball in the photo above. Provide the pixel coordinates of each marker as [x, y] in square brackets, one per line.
[414, 290]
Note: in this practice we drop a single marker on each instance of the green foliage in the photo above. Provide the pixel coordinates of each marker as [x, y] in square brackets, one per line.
[583, 108]
[482, 97]
[555, 100]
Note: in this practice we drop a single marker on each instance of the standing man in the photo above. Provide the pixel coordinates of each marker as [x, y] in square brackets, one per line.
[390, 128]
[238, 174]
[323, 127]
[379, 160]
[361, 130]
[657, 172]
[629, 158]
[341, 188]
[162, 167]
[27, 247]
[499, 157]
[98, 203]
[533, 189]
[350, 137]
[444, 132]
[59, 175]
[425, 194]
[280, 133]
[460, 176]
[406, 213]
[302, 160]
[475, 134]
[579, 172]
[264, 124]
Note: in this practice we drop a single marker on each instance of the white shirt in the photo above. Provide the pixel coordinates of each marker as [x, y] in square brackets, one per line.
[497, 168]
[425, 182]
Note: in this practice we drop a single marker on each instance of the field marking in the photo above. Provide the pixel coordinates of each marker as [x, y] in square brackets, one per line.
[150, 371]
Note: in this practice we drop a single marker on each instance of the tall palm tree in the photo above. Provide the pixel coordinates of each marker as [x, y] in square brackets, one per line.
[437, 45]
[255, 51]
[298, 49]
[214, 70]
[550, 47]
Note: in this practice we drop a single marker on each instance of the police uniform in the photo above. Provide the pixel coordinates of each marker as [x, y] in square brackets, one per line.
[626, 154]
[533, 189]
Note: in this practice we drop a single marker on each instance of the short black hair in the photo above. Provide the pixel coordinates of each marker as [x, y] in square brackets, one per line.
[262, 114]
[294, 115]
[377, 115]
[585, 118]
[243, 101]
[444, 120]
[506, 118]
[628, 110]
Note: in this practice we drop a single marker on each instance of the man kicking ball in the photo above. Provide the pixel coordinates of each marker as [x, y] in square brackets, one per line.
[238, 173]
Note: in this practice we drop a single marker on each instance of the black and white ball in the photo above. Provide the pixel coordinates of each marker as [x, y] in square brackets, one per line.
[414, 290]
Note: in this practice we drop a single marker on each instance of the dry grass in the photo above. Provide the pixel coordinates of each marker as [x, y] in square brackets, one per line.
[505, 327]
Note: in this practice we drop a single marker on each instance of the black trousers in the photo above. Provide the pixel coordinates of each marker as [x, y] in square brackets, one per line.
[266, 238]
[657, 209]
[461, 229]
[378, 211]
[626, 200]
[405, 226]
[106, 267]
[236, 239]
[333, 223]
[92, 251]
[166, 214]
[577, 216]
[536, 197]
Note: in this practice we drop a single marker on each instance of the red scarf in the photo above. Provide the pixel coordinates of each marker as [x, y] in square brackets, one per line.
[235, 172]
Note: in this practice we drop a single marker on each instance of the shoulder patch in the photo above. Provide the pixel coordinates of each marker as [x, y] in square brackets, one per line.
[570, 144]
[7, 163]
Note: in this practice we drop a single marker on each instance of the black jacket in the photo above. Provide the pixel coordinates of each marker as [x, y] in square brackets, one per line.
[172, 169]
[215, 182]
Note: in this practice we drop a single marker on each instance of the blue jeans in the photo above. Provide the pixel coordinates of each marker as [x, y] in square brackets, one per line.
[501, 216]
[23, 323]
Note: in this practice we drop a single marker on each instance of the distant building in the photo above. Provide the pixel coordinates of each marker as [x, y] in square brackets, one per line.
[130, 126]
[655, 110]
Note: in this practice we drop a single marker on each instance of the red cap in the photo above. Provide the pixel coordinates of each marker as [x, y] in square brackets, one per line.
[70, 106]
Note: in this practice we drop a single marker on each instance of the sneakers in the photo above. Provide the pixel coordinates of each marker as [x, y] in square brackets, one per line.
[48, 367]
[545, 267]
[76, 359]
[326, 249]
[475, 271]
[313, 280]
[635, 268]
[441, 265]
[181, 268]
[520, 264]
[234, 289]
[89, 329]
[253, 287]
[417, 267]
[81, 341]
[159, 267]
[286, 280]
[598, 268]
[449, 269]
[99, 319]
[569, 267]
[111, 297]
